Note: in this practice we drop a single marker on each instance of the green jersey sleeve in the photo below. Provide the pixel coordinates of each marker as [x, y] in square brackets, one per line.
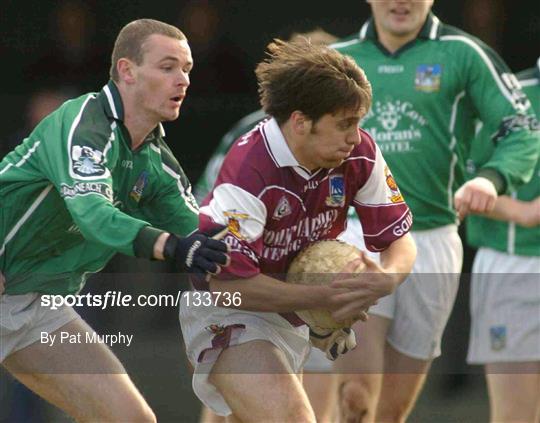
[504, 111]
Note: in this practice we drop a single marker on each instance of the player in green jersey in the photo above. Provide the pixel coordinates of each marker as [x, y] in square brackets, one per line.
[431, 82]
[505, 290]
[95, 178]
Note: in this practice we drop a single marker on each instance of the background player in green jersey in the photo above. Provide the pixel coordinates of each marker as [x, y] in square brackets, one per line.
[505, 290]
[95, 178]
[430, 84]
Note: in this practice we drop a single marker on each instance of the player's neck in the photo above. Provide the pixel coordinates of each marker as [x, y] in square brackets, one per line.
[137, 123]
[392, 42]
[138, 129]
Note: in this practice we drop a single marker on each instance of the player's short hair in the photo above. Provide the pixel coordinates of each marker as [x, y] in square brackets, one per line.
[130, 41]
[313, 79]
[315, 36]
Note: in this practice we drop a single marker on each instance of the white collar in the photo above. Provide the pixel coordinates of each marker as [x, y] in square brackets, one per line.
[277, 146]
[280, 151]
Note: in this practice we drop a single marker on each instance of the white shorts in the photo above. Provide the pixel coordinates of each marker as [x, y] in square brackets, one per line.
[505, 308]
[317, 362]
[207, 330]
[22, 319]
[420, 307]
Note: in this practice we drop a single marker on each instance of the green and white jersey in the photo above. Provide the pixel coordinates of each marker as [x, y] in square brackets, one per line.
[426, 99]
[507, 236]
[74, 193]
[206, 182]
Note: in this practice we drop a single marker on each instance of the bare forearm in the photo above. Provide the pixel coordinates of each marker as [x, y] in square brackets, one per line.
[398, 259]
[524, 213]
[263, 293]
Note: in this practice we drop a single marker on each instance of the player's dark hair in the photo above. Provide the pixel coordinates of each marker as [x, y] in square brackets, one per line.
[313, 79]
[130, 41]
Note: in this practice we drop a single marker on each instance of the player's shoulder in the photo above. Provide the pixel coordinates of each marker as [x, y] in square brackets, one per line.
[246, 156]
[530, 76]
[461, 41]
[243, 126]
[85, 122]
[363, 156]
[347, 43]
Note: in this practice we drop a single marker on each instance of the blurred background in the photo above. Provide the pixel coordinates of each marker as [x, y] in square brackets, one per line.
[54, 50]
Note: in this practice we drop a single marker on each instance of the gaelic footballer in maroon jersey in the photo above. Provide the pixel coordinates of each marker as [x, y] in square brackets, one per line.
[283, 185]
[274, 207]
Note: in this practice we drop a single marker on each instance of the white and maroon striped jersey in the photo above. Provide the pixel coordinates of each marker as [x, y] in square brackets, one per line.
[274, 207]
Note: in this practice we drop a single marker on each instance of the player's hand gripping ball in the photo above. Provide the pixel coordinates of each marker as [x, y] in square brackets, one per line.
[318, 264]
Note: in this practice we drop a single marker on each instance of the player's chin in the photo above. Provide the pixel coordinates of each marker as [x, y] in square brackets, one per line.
[332, 163]
[170, 115]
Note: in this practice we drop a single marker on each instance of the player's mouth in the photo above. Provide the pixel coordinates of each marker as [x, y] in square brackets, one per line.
[345, 152]
[400, 12]
[177, 100]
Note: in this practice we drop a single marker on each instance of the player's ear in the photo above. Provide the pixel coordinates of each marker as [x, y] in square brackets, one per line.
[301, 124]
[126, 70]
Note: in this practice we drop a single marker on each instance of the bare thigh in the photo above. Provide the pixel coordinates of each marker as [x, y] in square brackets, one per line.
[270, 391]
[85, 380]
[321, 389]
[403, 379]
[360, 371]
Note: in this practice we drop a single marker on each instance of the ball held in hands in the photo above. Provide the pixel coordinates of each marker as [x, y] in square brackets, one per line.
[319, 264]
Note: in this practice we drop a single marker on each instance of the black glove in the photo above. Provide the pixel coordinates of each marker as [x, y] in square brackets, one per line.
[198, 253]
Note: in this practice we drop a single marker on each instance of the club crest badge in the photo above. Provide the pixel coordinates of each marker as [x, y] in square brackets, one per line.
[215, 329]
[87, 162]
[233, 222]
[282, 209]
[395, 194]
[140, 185]
[336, 188]
[428, 78]
[497, 336]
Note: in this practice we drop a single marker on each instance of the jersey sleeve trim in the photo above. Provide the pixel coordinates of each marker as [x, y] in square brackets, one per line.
[31, 151]
[501, 83]
[185, 193]
[42, 195]
[405, 213]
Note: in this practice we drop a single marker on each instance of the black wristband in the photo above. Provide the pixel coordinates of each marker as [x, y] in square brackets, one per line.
[169, 250]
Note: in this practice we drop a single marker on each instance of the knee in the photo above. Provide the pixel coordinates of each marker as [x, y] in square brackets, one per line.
[143, 413]
[132, 412]
[297, 411]
[392, 412]
[356, 401]
[303, 414]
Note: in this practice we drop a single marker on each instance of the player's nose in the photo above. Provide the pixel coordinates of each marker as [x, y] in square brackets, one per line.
[354, 137]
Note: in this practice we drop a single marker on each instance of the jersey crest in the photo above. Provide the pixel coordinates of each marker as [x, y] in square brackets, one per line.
[283, 209]
[140, 185]
[428, 78]
[233, 222]
[337, 191]
[395, 194]
[86, 161]
[497, 336]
